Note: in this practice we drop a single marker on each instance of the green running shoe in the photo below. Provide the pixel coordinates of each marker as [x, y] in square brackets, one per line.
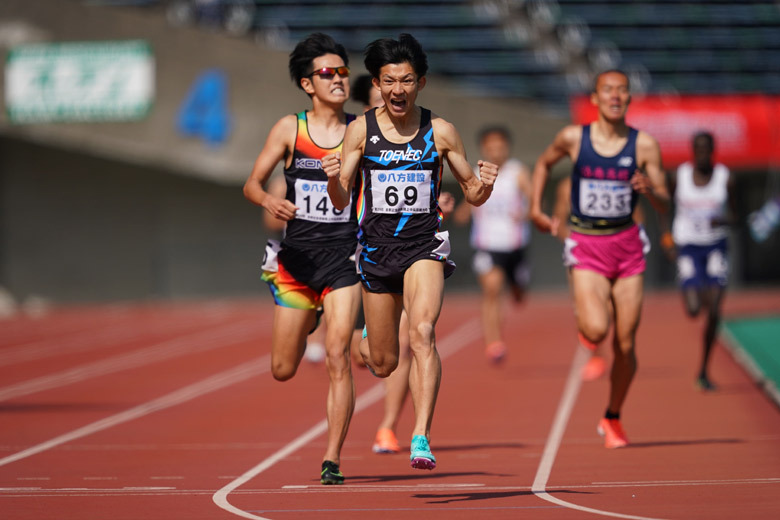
[421, 456]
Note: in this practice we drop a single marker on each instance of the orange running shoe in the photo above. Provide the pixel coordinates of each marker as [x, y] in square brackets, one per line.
[386, 442]
[585, 342]
[496, 351]
[612, 431]
[594, 368]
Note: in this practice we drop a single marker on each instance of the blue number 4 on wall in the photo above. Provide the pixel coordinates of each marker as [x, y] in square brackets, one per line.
[204, 111]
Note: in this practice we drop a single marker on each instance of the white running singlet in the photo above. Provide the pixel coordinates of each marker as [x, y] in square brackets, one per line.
[696, 206]
[501, 223]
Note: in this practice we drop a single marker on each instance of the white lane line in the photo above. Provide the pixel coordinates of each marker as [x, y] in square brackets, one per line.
[703, 482]
[200, 341]
[570, 391]
[96, 339]
[218, 381]
[450, 344]
[346, 489]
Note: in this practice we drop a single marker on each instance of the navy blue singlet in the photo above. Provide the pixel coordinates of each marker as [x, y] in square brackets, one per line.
[602, 200]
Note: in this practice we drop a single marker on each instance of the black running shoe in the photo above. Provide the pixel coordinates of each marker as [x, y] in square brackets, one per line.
[705, 385]
[331, 474]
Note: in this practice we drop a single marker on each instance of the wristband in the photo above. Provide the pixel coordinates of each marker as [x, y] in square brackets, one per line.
[667, 242]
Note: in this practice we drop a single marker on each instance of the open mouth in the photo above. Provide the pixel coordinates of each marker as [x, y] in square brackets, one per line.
[398, 104]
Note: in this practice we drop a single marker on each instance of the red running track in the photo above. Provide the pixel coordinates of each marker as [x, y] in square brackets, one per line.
[168, 412]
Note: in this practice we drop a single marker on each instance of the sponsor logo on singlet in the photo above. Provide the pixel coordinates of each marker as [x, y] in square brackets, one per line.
[625, 161]
[410, 154]
[308, 164]
[374, 139]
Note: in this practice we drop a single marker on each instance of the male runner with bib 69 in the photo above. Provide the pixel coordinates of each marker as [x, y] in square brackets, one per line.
[398, 150]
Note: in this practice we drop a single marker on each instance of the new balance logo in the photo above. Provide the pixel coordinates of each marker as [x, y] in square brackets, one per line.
[625, 161]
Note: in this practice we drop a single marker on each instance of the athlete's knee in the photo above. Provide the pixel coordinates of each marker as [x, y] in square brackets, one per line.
[283, 371]
[692, 309]
[693, 303]
[383, 365]
[594, 331]
[337, 361]
[624, 350]
[492, 291]
[421, 333]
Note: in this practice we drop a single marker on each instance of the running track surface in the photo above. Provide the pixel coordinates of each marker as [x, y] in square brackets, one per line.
[168, 411]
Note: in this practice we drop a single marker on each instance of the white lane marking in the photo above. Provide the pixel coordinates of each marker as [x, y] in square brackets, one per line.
[218, 381]
[570, 391]
[703, 482]
[196, 342]
[345, 489]
[450, 344]
[109, 335]
[385, 487]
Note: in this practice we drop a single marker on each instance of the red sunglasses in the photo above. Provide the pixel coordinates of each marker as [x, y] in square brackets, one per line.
[329, 72]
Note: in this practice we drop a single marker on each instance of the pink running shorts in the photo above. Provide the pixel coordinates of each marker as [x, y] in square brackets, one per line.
[619, 255]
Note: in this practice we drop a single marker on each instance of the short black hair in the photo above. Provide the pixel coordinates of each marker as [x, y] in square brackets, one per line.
[314, 46]
[495, 129]
[384, 51]
[361, 89]
[610, 71]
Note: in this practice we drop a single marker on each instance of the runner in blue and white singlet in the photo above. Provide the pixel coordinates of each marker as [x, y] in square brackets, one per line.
[704, 207]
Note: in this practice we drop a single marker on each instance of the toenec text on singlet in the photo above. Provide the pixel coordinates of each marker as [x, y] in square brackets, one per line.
[602, 199]
[317, 223]
[399, 199]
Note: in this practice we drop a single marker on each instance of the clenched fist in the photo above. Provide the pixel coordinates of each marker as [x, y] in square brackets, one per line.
[487, 172]
[331, 164]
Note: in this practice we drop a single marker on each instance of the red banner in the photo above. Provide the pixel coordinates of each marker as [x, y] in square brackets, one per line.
[746, 128]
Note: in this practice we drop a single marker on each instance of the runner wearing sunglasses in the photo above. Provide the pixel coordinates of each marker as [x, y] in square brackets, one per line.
[310, 272]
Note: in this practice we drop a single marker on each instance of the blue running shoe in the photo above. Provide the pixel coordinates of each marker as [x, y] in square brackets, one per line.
[421, 457]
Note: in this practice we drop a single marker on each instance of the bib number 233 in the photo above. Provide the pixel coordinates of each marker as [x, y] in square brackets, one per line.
[605, 199]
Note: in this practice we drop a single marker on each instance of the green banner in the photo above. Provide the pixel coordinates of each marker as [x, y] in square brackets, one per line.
[81, 81]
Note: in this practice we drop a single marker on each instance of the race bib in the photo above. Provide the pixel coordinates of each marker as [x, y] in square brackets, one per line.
[314, 205]
[401, 191]
[605, 199]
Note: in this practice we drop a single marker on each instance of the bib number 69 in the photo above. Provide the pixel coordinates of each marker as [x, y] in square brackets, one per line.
[392, 198]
